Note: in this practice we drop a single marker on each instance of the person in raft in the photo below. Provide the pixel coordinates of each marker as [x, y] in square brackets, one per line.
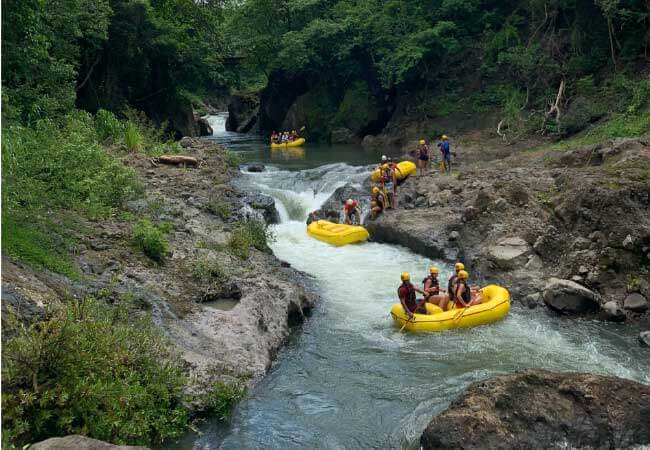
[275, 138]
[445, 151]
[389, 186]
[431, 285]
[423, 156]
[463, 294]
[377, 203]
[351, 212]
[406, 293]
[312, 217]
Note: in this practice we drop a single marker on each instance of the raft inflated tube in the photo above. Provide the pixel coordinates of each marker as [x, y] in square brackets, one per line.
[403, 170]
[297, 143]
[336, 233]
[495, 306]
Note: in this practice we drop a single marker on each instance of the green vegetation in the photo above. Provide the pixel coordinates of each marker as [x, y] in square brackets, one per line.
[247, 234]
[91, 369]
[151, 239]
[223, 398]
[216, 205]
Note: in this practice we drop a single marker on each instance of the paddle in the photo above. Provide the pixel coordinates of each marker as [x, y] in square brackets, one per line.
[411, 319]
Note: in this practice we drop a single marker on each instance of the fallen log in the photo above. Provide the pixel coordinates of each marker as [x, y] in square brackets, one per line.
[177, 160]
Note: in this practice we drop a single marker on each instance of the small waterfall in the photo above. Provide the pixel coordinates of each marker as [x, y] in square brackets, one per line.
[217, 122]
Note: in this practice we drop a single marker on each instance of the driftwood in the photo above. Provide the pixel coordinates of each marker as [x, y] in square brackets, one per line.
[177, 160]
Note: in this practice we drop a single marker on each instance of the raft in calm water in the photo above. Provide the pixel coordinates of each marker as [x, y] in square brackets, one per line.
[336, 233]
[495, 306]
[297, 143]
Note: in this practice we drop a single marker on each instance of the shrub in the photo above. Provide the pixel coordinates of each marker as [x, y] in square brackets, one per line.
[151, 239]
[91, 369]
[224, 397]
[232, 159]
[132, 137]
[216, 205]
[250, 233]
[208, 271]
[108, 126]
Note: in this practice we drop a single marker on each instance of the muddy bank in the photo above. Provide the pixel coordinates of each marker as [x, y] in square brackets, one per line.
[538, 409]
[226, 315]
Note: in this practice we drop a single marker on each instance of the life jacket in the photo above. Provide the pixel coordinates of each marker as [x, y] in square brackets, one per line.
[450, 287]
[407, 292]
[435, 283]
[387, 176]
[350, 208]
[423, 150]
[467, 295]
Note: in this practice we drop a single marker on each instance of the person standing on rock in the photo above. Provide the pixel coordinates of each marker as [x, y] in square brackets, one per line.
[377, 203]
[406, 293]
[389, 186]
[423, 157]
[445, 151]
[352, 214]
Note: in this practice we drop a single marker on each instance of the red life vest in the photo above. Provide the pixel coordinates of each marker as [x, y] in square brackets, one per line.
[350, 208]
[407, 292]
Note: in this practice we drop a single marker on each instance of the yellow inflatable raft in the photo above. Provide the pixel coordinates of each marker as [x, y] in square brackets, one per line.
[297, 143]
[495, 306]
[404, 169]
[337, 234]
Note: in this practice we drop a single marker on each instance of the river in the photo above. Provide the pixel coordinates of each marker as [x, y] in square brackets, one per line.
[348, 378]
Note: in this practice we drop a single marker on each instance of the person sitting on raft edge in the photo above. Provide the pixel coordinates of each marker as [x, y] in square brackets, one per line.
[406, 293]
[352, 214]
[462, 292]
[431, 285]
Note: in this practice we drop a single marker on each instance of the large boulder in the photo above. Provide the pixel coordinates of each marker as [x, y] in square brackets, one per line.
[538, 409]
[265, 204]
[204, 127]
[644, 338]
[77, 442]
[509, 253]
[612, 312]
[636, 302]
[243, 111]
[331, 208]
[569, 297]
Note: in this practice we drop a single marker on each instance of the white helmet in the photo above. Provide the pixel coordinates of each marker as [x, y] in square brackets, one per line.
[349, 202]
[383, 157]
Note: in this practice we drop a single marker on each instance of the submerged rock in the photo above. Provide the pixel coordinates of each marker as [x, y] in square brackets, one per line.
[255, 167]
[538, 409]
[644, 338]
[568, 297]
[265, 204]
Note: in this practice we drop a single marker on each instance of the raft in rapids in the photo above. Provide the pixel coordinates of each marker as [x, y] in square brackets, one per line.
[336, 233]
[495, 306]
[297, 143]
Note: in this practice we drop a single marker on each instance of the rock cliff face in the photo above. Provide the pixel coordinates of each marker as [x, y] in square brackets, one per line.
[537, 409]
[243, 112]
[227, 316]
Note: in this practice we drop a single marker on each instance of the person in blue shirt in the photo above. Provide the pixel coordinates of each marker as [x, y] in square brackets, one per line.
[446, 153]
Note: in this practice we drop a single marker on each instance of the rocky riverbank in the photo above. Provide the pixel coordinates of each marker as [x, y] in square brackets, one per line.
[226, 313]
[565, 228]
[537, 409]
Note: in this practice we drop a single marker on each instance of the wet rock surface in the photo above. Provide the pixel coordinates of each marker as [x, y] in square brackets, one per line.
[538, 409]
[77, 442]
[569, 297]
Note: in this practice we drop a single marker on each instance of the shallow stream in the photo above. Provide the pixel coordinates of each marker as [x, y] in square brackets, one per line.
[348, 378]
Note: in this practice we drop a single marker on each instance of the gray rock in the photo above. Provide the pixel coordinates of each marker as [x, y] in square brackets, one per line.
[581, 244]
[409, 206]
[227, 290]
[454, 235]
[612, 312]
[636, 302]
[186, 142]
[644, 338]
[77, 442]
[469, 213]
[500, 204]
[537, 409]
[577, 278]
[597, 236]
[265, 204]
[568, 297]
[204, 127]
[482, 201]
[534, 263]
[344, 136]
[420, 202]
[509, 253]
[628, 242]
[256, 167]
[583, 270]
[532, 301]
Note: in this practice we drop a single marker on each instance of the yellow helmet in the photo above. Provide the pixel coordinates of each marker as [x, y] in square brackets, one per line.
[422, 142]
[405, 276]
[459, 266]
[463, 275]
[375, 190]
[444, 136]
[434, 270]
